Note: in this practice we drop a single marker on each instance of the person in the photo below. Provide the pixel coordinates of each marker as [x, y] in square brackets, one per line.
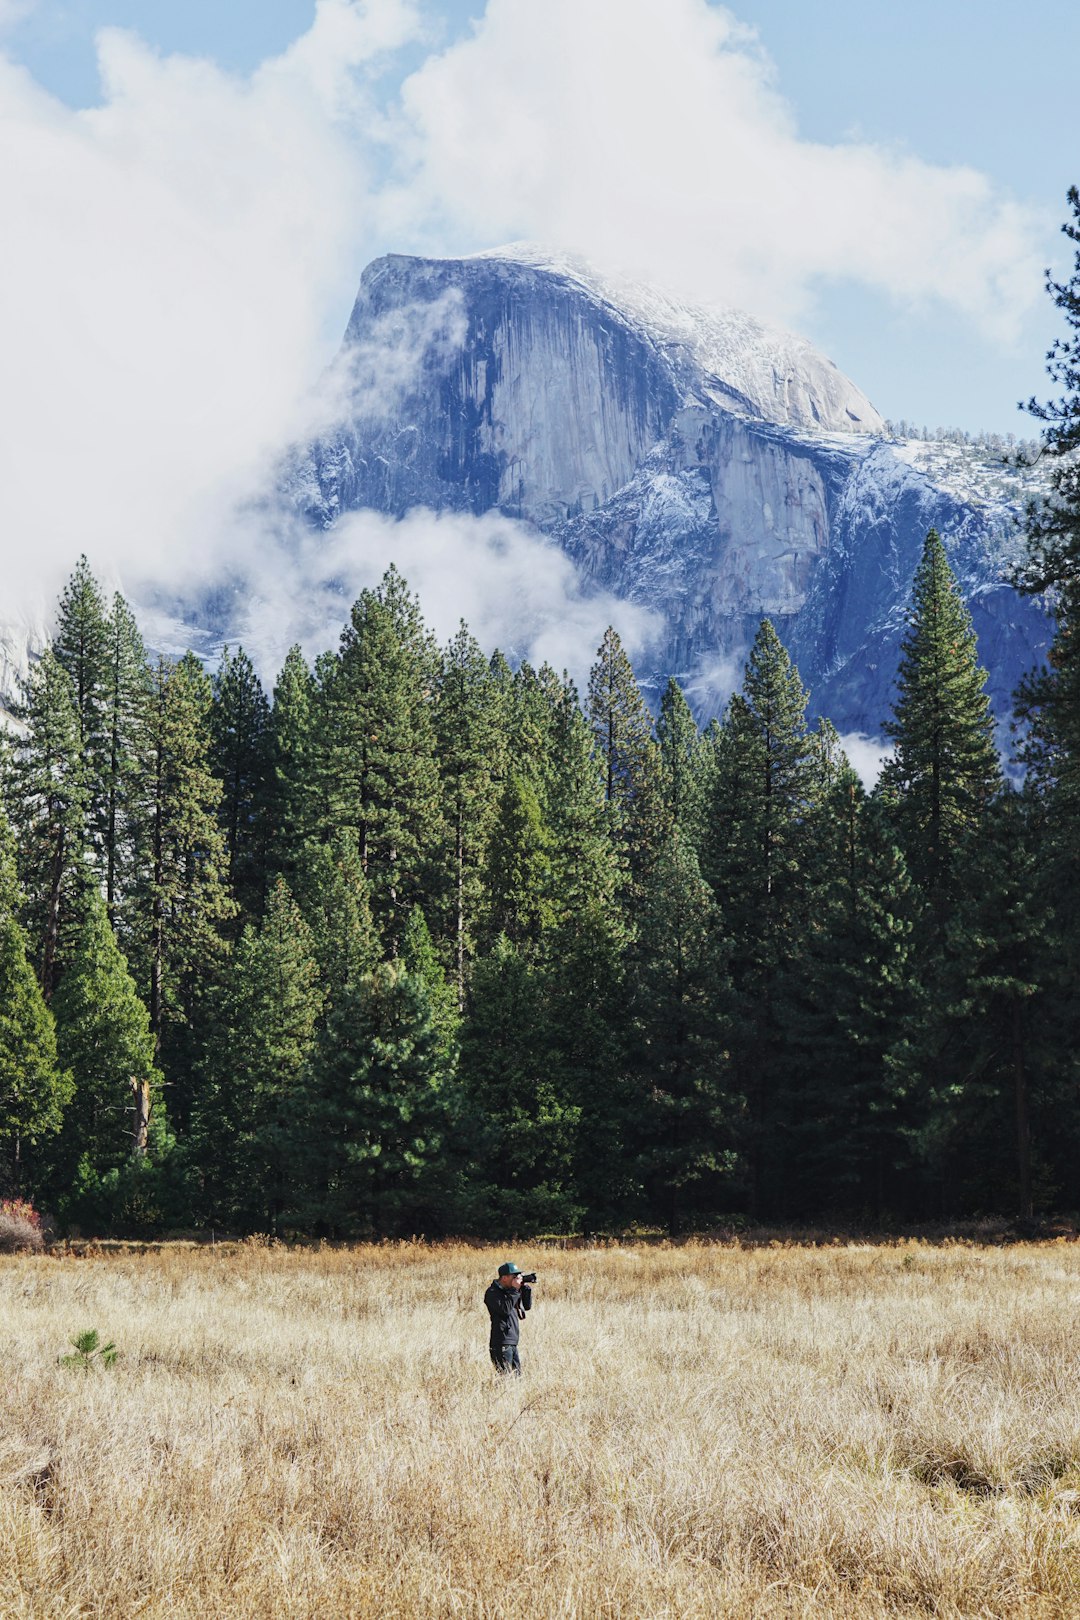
[507, 1299]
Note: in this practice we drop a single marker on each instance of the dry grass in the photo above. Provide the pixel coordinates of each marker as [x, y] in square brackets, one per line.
[701, 1432]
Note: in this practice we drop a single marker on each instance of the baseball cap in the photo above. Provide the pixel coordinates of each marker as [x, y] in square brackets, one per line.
[508, 1269]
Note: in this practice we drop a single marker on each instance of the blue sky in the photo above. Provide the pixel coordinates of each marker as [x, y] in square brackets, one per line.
[981, 85]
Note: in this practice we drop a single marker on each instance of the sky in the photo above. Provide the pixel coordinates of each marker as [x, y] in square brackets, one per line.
[191, 190]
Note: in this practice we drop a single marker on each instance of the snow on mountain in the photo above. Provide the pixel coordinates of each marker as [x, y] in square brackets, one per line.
[734, 359]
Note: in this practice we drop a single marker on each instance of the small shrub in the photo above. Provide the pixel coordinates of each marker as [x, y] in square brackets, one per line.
[18, 1235]
[23, 1210]
[90, 1352]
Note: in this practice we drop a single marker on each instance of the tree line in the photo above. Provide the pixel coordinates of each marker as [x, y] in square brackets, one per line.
[419, 942]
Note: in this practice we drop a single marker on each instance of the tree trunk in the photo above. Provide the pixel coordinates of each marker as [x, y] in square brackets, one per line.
[1023, 1121]
[140, 1092]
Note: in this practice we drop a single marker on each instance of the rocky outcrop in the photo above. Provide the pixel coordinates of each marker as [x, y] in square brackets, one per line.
[698, 463]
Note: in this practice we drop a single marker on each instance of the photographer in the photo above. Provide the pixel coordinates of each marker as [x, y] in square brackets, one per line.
[507, 1299]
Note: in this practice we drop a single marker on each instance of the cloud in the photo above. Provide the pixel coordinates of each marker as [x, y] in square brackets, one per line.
[650, 136]
[514, 589]
[174, 260]
[866, 755]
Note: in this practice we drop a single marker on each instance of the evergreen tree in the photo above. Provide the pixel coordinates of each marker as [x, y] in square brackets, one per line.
[33, 1087]
[626, 750]
[240, 733]
[292, 813]
[81, 647]
[945, 768]
[466, 720]
[523, 1126]
[517, 876]
[180, 887]
[852, 1014]
[381, 1109]
[686, 1116]
[49, 791]
[332, 892]
[1008, 1070]
[683, 763]
[378, 750]
[104, 1039]
[117, 820]
[764, 789]
[251, 1106]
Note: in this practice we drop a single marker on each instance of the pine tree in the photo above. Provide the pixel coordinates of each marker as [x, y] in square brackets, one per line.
[764, 788]
[1004, 1104]
[945, 768]
[683, 763]
[686, 1116]
[378, 749]
[49, 794]
[81, 646]
[524, 1128]
[851, 1015]
[292, 814]
[117, 819]
[380, 1108]
[180, 887]
[34, 1089]
[626, 749]
[264, 1029]
[517, 875]
[466, 723]
[104, 1039]
[240, 733]
[333, 894]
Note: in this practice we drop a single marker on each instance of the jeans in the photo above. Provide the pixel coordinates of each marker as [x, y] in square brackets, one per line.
[505, 1359]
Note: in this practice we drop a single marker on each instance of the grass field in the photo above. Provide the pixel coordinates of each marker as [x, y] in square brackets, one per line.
[701, 1431]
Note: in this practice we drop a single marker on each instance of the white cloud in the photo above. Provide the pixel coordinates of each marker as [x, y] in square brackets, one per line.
[514, 589]
[650, 136]
[170, 261]
[866, 755]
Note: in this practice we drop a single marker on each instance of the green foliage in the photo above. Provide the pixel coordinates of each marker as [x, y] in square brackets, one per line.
[89, 1352]
[104, 1041]
[944, 770]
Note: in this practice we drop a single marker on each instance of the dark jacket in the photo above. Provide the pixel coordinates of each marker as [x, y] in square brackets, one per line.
[502, 1306]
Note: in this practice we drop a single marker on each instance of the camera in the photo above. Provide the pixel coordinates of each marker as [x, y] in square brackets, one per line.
[528, 1276]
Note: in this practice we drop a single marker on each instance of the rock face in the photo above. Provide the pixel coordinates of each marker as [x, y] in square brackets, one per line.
[699, 463]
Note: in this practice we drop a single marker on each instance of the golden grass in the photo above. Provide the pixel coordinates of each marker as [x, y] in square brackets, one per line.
[701, 1431]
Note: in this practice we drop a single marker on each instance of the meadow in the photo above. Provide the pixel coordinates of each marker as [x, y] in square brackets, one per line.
[702, 1431]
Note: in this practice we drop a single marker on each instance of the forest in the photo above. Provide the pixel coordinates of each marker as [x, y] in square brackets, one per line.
[423, 943]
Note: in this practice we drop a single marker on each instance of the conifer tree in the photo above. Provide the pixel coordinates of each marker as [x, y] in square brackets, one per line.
[524, 1128]
[292, 815]
[378, 749]
[181, 893]
[81, 646]
[49, 794]
[470, 749]
[333, 894]
[251, 1102]
[105, 1042]
[686, 1116]
[240, 728]
[118, 816]
[380, 1107]
[945, 768]
[1002, 1109]
[852, 1014]
[34, 1089]
[517, 875]
[626, 750]
[682, 763]
[764, 787]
